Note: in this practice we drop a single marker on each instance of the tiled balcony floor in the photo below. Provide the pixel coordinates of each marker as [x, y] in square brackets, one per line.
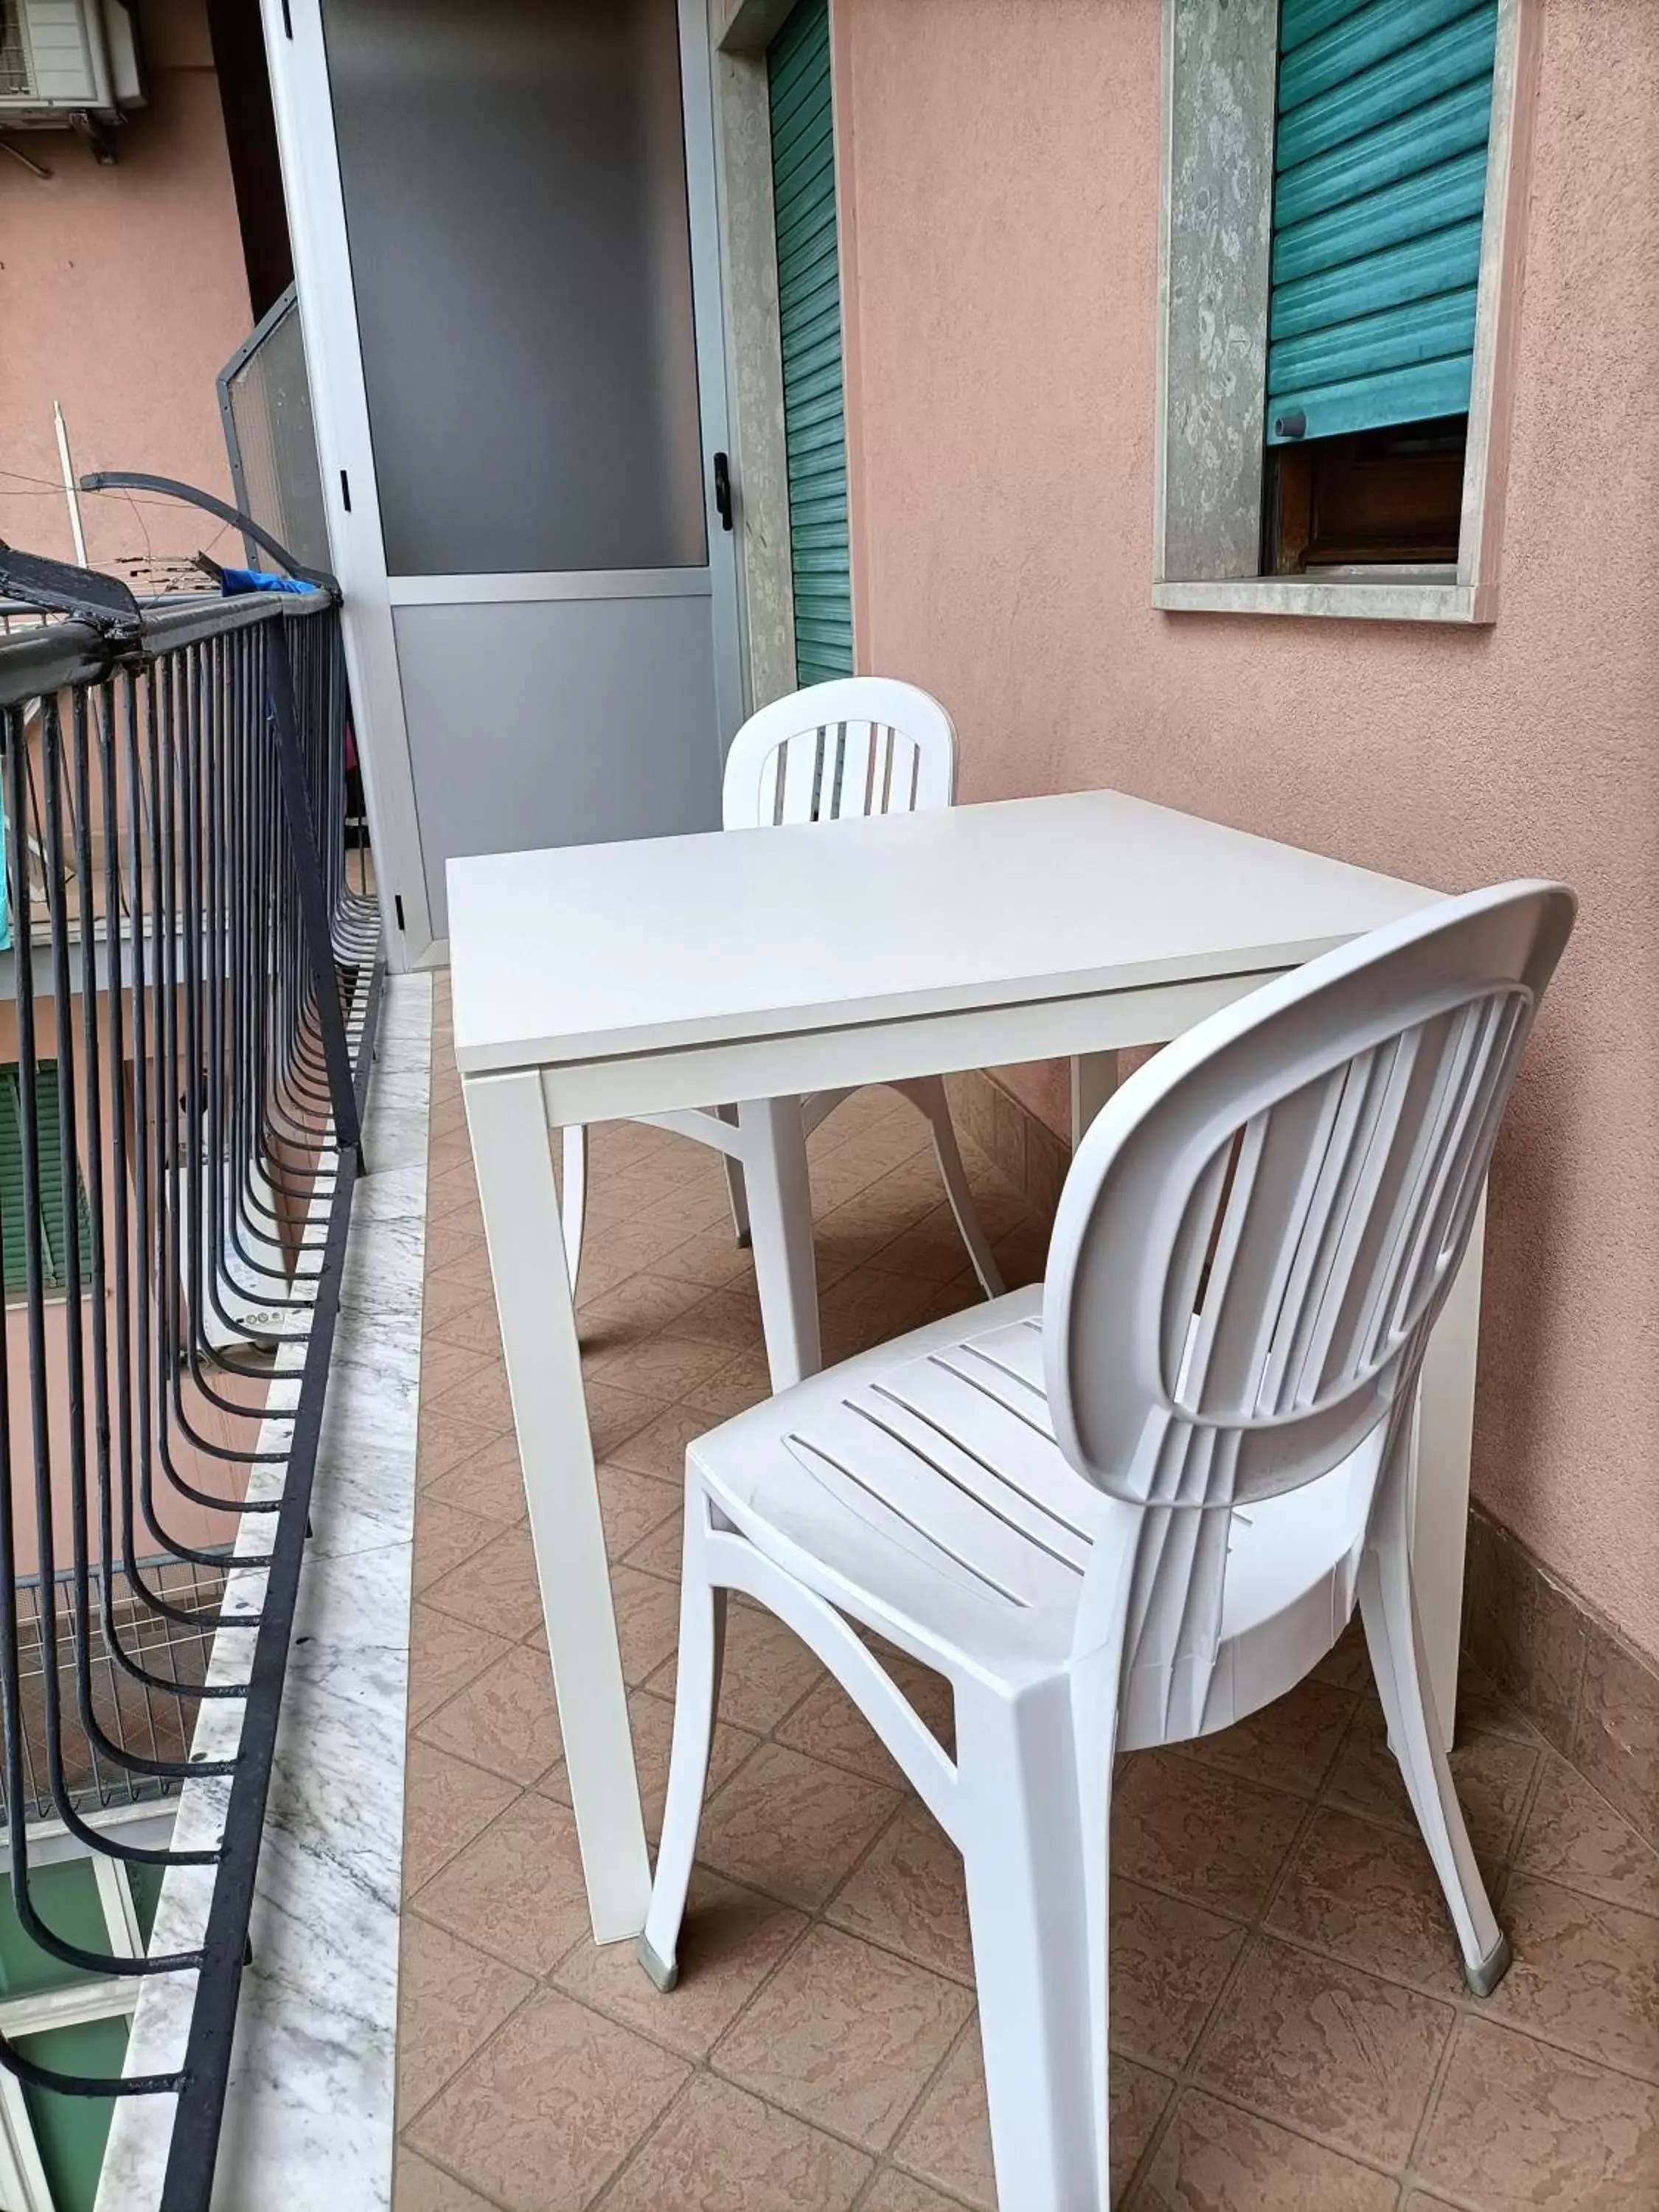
[1291, 2024]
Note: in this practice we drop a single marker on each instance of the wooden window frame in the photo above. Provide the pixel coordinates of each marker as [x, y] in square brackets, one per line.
[1211, 370]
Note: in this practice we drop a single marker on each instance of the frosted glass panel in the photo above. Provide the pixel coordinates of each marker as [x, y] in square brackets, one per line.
[515, 185]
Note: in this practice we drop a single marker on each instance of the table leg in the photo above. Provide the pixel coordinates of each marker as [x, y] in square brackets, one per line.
[1094, 1078]
[1440, 1475]
[512, 1152]
[780, 1232]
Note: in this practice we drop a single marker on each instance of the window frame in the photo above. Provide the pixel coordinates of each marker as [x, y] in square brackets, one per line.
[1243, 39]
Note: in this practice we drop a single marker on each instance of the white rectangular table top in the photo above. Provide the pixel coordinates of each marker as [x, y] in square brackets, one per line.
[588, 951]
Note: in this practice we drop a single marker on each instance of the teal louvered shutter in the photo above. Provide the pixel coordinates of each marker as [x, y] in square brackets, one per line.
[1384, 111]
[809, 317]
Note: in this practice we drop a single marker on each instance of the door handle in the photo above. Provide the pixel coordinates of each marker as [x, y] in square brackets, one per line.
[723, 490]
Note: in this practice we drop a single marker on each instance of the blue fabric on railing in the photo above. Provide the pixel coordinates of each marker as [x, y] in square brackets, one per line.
[234, 581]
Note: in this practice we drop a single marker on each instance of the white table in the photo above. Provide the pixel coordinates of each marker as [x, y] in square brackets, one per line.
[597, 981]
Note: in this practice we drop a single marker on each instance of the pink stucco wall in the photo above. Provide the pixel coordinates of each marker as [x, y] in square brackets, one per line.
[1000, 168]
[122, 294]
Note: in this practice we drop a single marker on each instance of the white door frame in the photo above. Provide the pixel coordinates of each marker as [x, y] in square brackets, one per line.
[302, 104]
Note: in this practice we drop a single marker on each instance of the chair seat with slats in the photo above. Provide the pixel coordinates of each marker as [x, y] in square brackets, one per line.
[918, 1487]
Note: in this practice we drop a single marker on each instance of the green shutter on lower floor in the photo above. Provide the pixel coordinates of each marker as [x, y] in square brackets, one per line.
[809, 316]
[1384, 114]
[54, 1239]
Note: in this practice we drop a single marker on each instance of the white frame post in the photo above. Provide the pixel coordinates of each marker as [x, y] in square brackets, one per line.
[304, 110]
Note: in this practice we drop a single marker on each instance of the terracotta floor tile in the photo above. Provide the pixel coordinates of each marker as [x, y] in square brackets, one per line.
[647, 1623]
[480, 1399]
[443, 1366]
[444, 1654]
[444, 1441]
[827, 1724]
[637, 1308]
[1483, 1710]
[1138, 2099]
[451, 2000]
[1347, 1665]
[1370, 1895]
[1327, 2050]
[793, 1826]
[632, 1506]
[450, 1190]
[444, 1536]
[732, 1388]
[866, 1308]
[1575, 1837]
[1586, 1974]
[732, 1940]
[948, 2140]
[950, 2137]
[418, 2187]
[711, 1257]
[447, 1802]
[652, 1720]
[659, 1448]
[718, 2149]
[661, 1551]
[768, 1670]
[726, 1319]
[496, 1587]
[662, 1367]
[547, 2112]
[614, 1416]
[1289, 1745]
[505, 1720]
[516, 1891]
[845, 2035]
[489, 1483]
[1213, 2158]
[906, 1894]
[930, 1248]
[894, 2191]
[1492, 1772]
[1517, 2126]
[1168, 1961]
[461, 1314]
[1213, 1837]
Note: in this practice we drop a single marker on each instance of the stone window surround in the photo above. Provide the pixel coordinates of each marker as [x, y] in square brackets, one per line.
[1193, 532]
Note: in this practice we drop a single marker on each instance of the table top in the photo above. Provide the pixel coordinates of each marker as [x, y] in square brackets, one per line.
[590, 952]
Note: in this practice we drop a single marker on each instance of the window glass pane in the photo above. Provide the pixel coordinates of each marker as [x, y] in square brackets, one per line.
[514, 184]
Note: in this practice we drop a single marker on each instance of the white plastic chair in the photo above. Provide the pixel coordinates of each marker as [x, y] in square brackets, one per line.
[1133, 1506]
[858, 746]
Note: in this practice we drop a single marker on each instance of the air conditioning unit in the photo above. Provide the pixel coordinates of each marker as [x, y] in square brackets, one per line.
[67, 64]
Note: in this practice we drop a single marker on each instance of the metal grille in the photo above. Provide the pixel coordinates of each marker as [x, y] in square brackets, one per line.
[194, 952]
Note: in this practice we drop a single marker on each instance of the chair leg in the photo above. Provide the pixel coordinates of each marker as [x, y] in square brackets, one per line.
[573, 1202]
[928, 1093]
[1041, 1977]
[696, 1695]
[1388, 1604]
[737, 1192]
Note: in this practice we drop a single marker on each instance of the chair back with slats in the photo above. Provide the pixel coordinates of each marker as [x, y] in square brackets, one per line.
[1260, 1228]
[857, 745]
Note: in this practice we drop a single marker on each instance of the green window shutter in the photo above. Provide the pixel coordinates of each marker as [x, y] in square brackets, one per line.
[809, 316]
[1384, 111]
[54, 1241]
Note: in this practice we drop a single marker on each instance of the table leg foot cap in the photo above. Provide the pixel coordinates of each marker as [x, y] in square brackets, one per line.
[1484, 1979]
[664, 1975]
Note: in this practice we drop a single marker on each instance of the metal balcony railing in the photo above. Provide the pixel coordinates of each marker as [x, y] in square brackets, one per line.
[187, 1009]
